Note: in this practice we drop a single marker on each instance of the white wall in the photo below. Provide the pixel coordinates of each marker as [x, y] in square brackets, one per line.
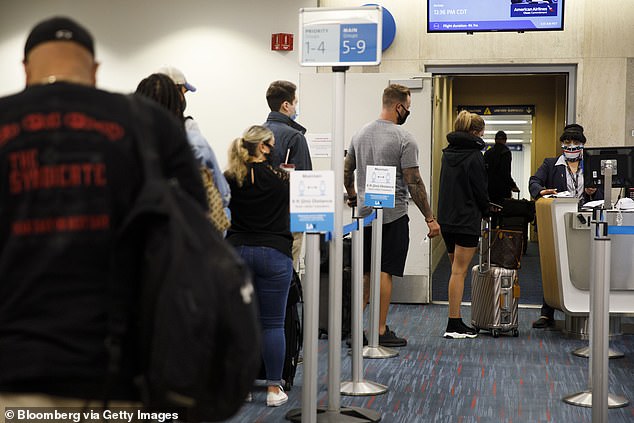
[224, 48]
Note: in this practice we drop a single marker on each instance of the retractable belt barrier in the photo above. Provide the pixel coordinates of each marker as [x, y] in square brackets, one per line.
[357, 386]
[309, 411]
[597, 396]
[373, 349]
[353, 226]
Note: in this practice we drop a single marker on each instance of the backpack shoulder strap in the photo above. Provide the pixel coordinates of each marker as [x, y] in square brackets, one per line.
[120, 288]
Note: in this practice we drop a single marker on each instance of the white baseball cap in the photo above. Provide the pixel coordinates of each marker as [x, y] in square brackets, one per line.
[177, 76]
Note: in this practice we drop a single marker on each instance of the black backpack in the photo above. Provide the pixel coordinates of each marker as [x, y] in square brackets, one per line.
[197, 328]
[293, 332]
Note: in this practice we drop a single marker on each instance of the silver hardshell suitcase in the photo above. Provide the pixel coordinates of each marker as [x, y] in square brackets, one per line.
[495, 293]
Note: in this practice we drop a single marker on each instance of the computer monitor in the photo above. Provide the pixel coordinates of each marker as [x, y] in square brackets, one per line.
[622, 159]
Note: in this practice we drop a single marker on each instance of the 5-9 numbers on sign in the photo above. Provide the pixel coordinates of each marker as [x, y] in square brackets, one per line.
[358, 47]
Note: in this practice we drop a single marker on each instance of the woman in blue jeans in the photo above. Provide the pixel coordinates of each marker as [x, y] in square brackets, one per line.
[260, 231]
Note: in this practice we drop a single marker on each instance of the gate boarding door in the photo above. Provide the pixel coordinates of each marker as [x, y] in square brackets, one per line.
[363, 104]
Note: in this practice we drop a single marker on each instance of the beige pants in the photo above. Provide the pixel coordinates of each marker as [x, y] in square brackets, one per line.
[51, 403]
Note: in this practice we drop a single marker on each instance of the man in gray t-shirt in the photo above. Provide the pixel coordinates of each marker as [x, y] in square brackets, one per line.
[382, 143]
[385, 143]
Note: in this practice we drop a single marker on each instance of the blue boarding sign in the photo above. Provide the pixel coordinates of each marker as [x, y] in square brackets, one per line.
[380, 184]
[312, 201]
[340, 36]
[358, 43]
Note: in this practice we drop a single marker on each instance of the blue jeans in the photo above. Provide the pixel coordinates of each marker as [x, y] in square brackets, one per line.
[272, 273]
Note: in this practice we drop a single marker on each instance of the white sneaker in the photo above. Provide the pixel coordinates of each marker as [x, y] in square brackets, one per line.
[249, 397]
[276, 399]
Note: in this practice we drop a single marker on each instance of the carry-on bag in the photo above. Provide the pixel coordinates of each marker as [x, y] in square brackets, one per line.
[517, 215]
[506, 247]
[495, 292]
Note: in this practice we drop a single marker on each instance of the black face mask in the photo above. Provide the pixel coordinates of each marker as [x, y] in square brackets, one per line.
[400, 119]
[271, 150]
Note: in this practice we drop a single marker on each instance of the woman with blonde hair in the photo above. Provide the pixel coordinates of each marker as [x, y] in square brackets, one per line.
[463, 200]
[260, 232]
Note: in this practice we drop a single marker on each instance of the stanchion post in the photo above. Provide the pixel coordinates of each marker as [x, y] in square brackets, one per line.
[357, 301]
[358, 386]
[311, 329]
[599, 333]
[375, 279]
[597, 395]
[373, 349]
[336, 245]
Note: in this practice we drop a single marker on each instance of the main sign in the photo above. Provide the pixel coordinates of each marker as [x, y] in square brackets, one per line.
[340, 36]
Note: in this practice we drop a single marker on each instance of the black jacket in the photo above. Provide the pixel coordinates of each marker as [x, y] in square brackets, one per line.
[498, 165]
[463, 197]
[288, 135]
[259, 210]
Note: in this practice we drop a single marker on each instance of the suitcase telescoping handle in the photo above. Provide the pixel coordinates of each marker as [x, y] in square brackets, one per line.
[484, 253]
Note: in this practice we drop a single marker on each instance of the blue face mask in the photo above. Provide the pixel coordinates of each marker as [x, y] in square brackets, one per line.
[572, 153]
[295, 113]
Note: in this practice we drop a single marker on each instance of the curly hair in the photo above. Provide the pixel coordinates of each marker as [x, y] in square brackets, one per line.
[162, 89]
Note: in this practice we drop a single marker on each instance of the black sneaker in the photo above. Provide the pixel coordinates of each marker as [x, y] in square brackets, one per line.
[389, 339]
[459, 331]
[543, 322]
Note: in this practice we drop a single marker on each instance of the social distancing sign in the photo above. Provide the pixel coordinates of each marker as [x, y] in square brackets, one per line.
[312, 201]
[380, 186]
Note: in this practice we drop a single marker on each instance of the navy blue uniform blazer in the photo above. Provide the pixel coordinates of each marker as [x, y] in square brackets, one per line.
[550, 176]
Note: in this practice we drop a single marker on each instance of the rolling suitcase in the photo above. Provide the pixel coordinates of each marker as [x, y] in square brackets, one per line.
[494, 292]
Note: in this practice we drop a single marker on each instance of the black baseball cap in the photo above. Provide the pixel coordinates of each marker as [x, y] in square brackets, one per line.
[573, 132]
[59, 29]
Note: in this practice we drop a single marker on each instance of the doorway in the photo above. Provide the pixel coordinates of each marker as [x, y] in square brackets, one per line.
[551, 89]
[519, 132]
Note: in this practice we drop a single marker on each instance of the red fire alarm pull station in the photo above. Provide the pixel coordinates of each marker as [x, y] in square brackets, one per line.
[282, 42]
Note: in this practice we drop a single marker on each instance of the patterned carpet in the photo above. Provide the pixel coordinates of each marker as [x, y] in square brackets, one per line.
[483, 380]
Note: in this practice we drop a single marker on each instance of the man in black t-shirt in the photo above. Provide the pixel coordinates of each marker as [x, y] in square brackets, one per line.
[68, 177]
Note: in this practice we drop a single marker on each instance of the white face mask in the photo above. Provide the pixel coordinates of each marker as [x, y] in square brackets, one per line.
[572, 153]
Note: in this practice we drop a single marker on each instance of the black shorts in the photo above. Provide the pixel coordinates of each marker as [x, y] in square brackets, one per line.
[395, 237]
[463, 240]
